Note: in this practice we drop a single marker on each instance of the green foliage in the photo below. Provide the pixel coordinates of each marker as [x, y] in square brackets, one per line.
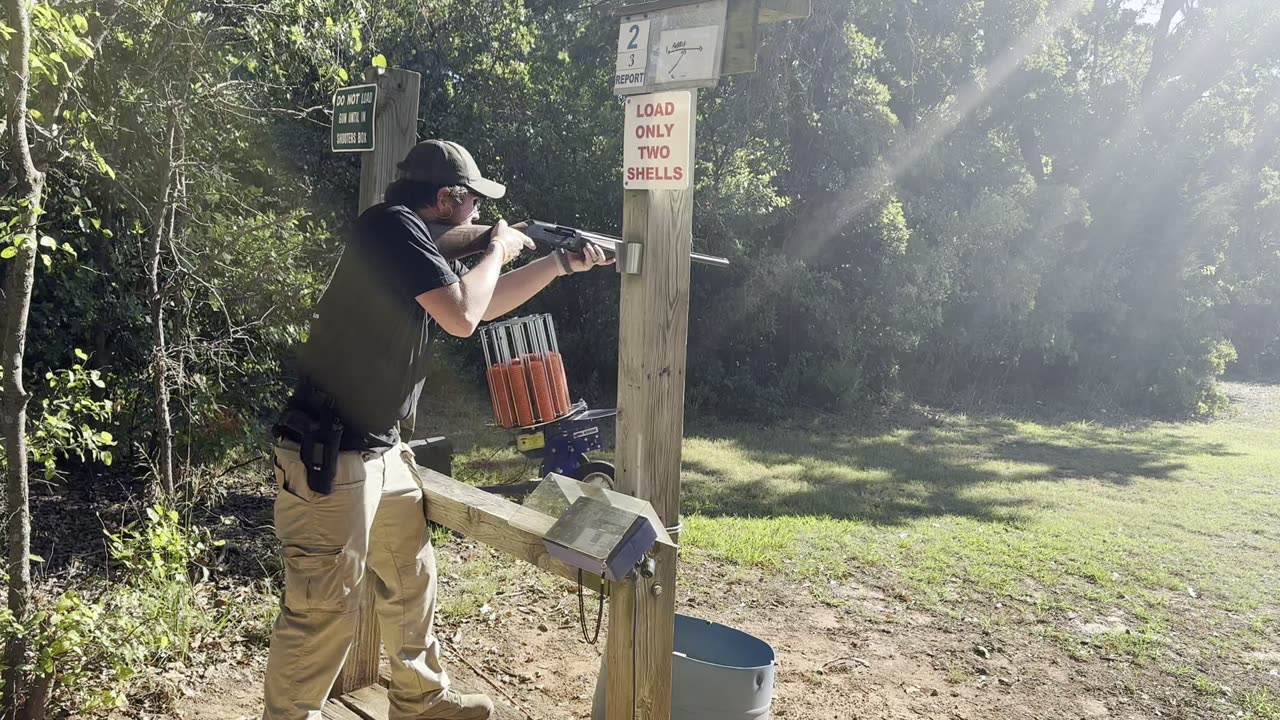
[57, 37]
[94, 645]
[942, 198]
[71, 419]
[64, 638]
[1261, 704]
[162, 551]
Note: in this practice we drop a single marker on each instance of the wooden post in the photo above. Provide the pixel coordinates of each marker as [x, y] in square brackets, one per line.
[652, 345]
[395, 133]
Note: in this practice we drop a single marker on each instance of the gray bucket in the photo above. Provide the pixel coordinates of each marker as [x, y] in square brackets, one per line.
[717, 673]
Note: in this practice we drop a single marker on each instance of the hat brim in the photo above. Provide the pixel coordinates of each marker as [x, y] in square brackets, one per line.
[487, 188]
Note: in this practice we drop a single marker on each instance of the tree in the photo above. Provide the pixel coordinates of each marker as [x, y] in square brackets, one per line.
[29, 62]
[27, 193]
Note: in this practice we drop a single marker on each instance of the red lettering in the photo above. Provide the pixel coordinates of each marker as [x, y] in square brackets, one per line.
[655, 152]
[653, 131]
[652, 173]
[655, 109]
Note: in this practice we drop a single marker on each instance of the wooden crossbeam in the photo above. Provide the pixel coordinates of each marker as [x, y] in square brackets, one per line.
[486, 518]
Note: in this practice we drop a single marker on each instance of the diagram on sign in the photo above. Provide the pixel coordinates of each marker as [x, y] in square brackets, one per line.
[680, 48]
[688, 54]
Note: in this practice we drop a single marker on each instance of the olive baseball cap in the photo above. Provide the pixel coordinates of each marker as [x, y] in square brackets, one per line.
[441, 162]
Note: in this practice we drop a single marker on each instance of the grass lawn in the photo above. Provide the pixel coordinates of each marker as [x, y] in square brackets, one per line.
[1157, 544]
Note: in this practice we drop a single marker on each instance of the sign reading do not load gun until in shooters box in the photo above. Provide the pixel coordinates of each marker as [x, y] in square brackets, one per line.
[353, 110]
[656, 152]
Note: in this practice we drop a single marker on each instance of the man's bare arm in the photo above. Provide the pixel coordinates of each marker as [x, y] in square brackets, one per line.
[459, 308]
[516, 287]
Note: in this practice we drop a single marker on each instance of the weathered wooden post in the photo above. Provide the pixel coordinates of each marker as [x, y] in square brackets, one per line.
[666, 50]
[379, 120]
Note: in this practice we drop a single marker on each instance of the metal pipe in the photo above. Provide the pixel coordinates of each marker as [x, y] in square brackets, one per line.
[484, 345]
[501, 331]
[611, 245]
[538, 327]
[551, 334]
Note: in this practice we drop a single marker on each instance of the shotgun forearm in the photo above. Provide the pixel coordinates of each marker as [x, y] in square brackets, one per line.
[458, 241]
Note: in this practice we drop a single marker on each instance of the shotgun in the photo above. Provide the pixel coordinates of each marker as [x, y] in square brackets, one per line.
[459, 241]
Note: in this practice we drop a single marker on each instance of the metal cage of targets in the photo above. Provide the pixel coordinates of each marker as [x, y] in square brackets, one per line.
[529, 392]
[527, 383]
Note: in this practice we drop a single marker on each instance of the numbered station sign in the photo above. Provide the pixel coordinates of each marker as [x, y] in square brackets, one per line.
[353, 111]
[672, 48]
[633, 55]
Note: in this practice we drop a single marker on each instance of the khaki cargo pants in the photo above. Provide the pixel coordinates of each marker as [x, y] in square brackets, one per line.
[373, 519]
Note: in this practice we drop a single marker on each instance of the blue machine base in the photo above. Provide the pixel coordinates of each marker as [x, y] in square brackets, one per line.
[563, 444]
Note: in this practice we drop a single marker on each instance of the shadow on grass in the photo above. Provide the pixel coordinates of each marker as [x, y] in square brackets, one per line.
[892, 476]
[493, 470]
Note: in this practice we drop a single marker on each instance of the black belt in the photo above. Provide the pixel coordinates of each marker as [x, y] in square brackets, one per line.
[284, 433]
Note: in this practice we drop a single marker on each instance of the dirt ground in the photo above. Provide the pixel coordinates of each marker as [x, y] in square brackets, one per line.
[854, 649]
[860, 653]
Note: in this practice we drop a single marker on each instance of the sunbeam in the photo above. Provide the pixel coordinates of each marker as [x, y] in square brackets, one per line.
[828, 220]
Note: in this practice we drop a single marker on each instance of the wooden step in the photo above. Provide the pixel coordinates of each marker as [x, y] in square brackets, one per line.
[371, 703]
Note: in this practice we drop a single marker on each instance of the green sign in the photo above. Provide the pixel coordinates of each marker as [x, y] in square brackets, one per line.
[353, 118]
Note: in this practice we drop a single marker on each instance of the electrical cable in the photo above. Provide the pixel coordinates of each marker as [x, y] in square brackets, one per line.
[582, 614]
[635, 616]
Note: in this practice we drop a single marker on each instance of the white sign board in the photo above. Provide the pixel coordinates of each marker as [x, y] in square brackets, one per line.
[688, 54]
[671, 48]
[633, 55]
[657, 147]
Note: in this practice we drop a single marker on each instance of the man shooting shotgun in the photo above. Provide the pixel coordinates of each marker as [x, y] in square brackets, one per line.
[462, 240]
[348, 499]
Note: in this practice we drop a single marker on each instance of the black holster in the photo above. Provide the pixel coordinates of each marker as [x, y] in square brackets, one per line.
[312, 422]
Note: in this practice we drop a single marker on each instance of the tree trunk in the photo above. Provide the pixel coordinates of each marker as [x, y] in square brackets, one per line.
[18, 281]
[1160, 45]
[37, 704]
[159, 350]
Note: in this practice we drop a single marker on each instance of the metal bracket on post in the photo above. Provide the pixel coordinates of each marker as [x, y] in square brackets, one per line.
[630, 257]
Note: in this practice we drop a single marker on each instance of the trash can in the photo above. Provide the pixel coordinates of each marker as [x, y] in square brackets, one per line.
[717, 673]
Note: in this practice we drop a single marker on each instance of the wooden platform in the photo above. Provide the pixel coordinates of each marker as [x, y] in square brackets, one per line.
[370, 703]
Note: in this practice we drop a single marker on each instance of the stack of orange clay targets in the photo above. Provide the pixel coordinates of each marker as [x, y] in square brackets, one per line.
[527, 383]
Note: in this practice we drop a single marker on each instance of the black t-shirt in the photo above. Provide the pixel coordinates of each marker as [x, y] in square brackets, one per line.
[369, 336]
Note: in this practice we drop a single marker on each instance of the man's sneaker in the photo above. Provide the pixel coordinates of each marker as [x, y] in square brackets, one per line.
[454, 705]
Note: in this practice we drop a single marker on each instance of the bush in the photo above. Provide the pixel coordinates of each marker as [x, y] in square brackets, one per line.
[88, 649]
